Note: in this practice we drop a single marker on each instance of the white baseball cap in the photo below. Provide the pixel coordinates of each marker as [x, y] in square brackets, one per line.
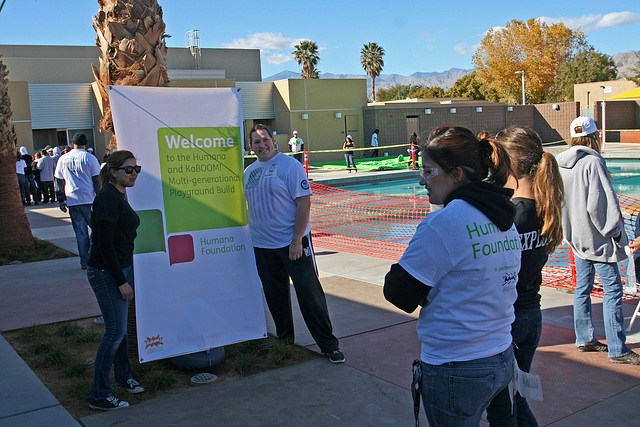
[295, 132]
[586, 123]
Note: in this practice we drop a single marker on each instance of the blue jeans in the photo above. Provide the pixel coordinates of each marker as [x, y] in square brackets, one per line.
[113, 349]
[611, 305]
[80, 220]
[457, 393]
[526, 331]
[349, 159]
[24, 190]
[298, 157]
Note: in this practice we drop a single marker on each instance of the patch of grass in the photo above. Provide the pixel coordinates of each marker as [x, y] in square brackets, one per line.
[69, 330]
[160, 380]
[278, 352]
[80, 388]
[34, 333]
[141, 370]
[43, 346]
[56, 356]
[86, 336]
[42, 252]
[245, 363]
[77, 370]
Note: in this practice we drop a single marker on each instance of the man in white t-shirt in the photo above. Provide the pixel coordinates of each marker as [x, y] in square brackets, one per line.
[296, 145]
[76, 178]
[279, 201]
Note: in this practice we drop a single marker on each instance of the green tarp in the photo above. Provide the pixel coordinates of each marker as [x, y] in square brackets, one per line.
[370, 163]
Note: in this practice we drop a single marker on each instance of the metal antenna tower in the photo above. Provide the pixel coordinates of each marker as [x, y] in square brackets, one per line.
[192, 41]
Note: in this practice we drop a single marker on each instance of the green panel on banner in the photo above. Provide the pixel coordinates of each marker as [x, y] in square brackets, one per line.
[202, 178]
[150, 236]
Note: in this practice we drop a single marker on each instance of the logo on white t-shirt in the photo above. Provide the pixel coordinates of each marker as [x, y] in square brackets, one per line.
[304, 184]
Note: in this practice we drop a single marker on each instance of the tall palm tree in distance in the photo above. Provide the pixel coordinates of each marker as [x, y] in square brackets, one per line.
[306, 55]
[130, 35]
[372, 62]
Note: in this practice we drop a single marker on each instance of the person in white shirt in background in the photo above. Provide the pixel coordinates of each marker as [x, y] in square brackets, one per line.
[296, 145]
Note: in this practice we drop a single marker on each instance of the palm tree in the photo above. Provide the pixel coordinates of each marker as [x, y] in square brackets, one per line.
[306, 55]
[15, 231]
[372, 62]
[130, 35]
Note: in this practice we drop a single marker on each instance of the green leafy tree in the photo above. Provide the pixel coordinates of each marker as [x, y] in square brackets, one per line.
[586, 66]
[534, 47]
[428, 92]
[372, 62]
[306, 55]
[636, 78]
[470, 86]
[396, 92]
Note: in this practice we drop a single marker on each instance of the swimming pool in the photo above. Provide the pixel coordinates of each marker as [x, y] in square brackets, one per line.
[625, 175]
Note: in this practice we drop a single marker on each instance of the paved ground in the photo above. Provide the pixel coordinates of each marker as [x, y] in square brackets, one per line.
[371, 388]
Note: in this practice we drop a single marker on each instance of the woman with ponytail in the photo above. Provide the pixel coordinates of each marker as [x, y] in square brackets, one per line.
[538, 197]
[110, 273]
[461, 266]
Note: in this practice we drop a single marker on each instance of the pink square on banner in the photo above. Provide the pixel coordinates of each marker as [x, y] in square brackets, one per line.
[181, 249]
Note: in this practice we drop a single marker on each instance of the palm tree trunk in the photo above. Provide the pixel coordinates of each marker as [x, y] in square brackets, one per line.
[373, 88]
[15, 231]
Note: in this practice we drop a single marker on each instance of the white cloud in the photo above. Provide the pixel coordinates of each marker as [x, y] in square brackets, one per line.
[465, 49]
[265, 41]
[589, 23]
[277, 58]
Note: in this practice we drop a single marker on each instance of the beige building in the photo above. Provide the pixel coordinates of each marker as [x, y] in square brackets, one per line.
[52, 96]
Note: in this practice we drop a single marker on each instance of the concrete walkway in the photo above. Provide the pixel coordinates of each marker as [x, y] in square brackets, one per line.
[371, 388]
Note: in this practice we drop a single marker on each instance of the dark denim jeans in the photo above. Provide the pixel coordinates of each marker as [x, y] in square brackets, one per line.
[611, 305]
[349, 159]
[113, 350]
[80, 220]
[526, 331]
[456, 394]
[274, 269]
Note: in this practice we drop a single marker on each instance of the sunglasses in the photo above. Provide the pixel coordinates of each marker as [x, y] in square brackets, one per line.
[429, 173]
[129, 169]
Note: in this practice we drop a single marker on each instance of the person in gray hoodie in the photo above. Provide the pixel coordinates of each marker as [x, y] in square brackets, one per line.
[594, 228]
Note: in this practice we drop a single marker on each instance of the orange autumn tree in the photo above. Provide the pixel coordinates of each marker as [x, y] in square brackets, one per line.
[534, 47]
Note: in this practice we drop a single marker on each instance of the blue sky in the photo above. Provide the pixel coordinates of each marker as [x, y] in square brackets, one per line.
[416, 35]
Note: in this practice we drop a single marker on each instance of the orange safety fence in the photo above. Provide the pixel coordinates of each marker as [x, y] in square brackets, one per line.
[381, 226]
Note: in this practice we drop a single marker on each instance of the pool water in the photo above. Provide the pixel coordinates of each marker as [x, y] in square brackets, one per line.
[625, 175]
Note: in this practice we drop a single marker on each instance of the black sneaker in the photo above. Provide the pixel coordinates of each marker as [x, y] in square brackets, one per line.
[594, 346]
[629, 358]
[108, 404]
[132, 386]
[335, 356]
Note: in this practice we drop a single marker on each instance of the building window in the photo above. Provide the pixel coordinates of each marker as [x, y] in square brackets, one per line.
[452, 110]
[427, 110]
[478, 109]
[509, 108]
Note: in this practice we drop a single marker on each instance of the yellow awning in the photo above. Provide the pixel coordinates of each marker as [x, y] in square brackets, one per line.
[630, 94]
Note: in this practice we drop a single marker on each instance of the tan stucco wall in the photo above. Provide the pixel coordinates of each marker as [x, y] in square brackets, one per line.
[320, 99]
[588, 94]
[21, 113]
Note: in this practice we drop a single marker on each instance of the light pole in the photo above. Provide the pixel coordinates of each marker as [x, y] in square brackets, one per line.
[522, 73]
[605, 90]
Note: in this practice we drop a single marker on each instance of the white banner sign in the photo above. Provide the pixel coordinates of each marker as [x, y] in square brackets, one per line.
[196, 282]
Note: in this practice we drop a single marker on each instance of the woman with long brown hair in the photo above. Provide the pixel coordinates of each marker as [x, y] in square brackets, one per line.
[110, 272]
[538, 197]
[461, 266]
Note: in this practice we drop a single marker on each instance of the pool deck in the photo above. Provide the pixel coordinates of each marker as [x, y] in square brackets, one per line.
[371, 388]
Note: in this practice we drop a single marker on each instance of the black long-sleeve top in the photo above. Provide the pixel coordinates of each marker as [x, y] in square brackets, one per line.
[113, 224]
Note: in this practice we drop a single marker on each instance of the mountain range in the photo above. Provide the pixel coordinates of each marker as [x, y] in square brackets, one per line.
[626, 63]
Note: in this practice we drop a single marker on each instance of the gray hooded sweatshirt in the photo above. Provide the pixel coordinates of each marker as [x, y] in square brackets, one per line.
[591, 220]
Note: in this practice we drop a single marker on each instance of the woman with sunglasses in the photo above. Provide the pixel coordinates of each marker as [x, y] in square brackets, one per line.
[110, 272]
[461, 266]
[538, 197]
